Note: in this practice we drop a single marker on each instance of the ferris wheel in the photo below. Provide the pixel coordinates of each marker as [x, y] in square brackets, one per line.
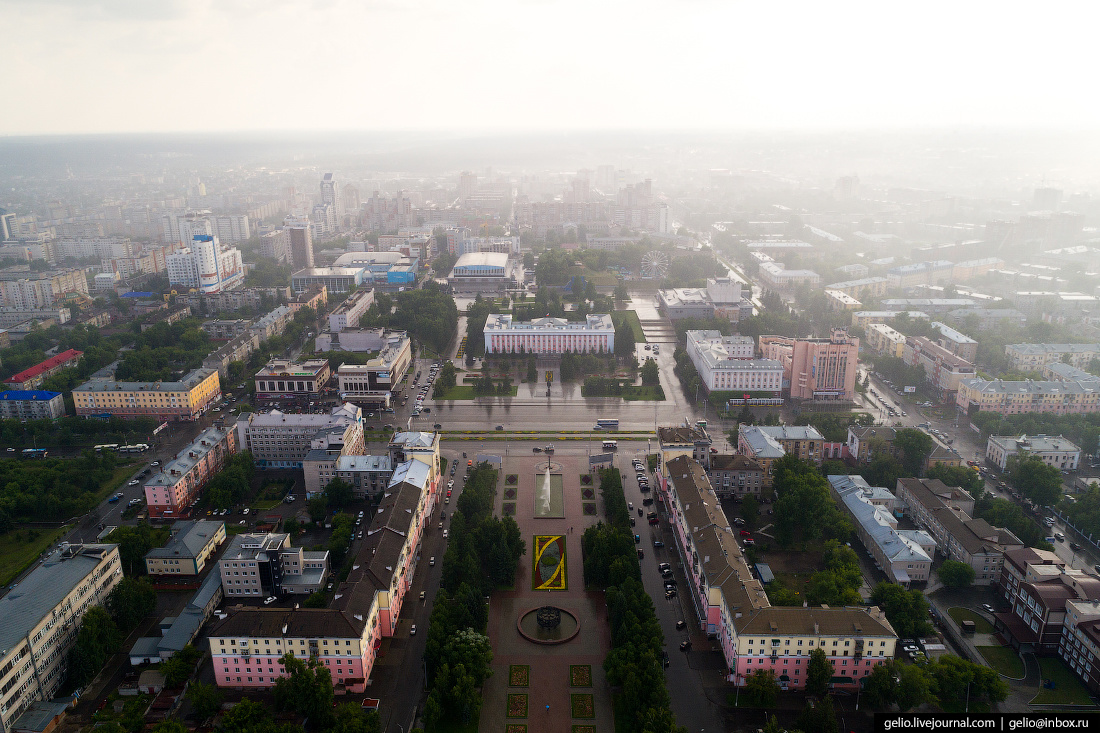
[654, 264]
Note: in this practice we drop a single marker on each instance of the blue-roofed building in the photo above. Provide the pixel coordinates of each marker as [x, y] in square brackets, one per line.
[31, 404]
[41, 616]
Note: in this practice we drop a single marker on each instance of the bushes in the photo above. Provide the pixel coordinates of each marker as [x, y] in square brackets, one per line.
[53, 489]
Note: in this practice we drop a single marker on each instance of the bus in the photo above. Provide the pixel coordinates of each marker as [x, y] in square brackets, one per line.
[135, 448]
[610, 445]
[35, 453]
[609, 424]
[701, 424]
[106, 446]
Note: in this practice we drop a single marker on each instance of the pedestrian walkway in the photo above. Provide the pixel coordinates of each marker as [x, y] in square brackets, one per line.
[546, 670]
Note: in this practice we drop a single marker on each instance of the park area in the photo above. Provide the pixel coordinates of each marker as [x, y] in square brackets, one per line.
[981, 625]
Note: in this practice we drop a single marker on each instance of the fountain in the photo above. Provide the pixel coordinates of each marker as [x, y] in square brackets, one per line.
[544, 493]
[548, 625]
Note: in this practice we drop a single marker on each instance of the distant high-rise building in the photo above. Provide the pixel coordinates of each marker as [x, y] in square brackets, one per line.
[301, 241]
[467, 185]
[276, 245]
[352, 201]
[330, 194]
[8, 228]
[206, 266]
[1047, 199]
[606, 180]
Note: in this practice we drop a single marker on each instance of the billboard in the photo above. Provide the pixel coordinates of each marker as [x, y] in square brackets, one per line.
[910, 390]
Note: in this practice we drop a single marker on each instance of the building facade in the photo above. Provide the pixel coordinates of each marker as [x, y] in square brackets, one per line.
[725, 363]
[285, 378]
[171, 492]
[549, 335]
[192, 544]
[206, 266]
[264, 565]
[31, 405]
[735, 476]
[29, 379]
[1014, 398]
[942, 369]
[886, 340]
[184, 400]
[1053, 451]
[348, 313]
[819, 370]
[282, 440]
[372, 384]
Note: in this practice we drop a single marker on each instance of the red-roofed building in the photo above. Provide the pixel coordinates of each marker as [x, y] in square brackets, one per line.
[33, 377]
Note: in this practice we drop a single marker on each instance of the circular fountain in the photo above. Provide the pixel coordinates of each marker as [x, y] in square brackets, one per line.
[548, 625]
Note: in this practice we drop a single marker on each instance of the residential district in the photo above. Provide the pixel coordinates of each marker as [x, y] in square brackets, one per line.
[499, 451]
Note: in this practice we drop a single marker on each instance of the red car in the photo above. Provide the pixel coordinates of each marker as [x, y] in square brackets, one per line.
[744, 532]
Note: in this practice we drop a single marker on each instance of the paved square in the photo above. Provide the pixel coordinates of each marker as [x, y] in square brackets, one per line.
[549, 500]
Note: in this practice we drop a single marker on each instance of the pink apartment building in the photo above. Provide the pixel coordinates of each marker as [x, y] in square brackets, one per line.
[247, 645]
[171, 492]
[816, 369]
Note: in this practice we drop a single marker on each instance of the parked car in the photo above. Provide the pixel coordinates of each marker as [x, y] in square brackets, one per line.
[412, 630]
[657, 544]
[681, 625]
[431, 561]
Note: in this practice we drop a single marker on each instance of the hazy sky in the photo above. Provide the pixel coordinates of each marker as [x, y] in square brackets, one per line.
[76, 66]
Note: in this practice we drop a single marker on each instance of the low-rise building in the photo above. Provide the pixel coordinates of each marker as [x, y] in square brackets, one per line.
[1052, 450]
[779, 277]
[1038, 588]
[736, 476]
[285, 378]
[314, 296]
[368, 475]
[171, 492]
[905, 556]
[838, 300]
[372, 384]
[678, 303]
[945, 513]
[282, 440]
[192, 544]
[484, 272]
[885, 340]
[926, 305]
[334, 279]
[942, 369]
[273, 324]
[34, 404]
[722, 365]
[41, 618]
[225, 329]
[866, 287]
[863, 319]
[800, 441]
[238, 349]
[1066, 373]
[761, 447]
[1033, 357]
[348, 313]
[684, 441]
[1015, 398]
[33, 377]
[184, 400]
[862, 440]
[596, 334]
[326, 448]
[957, 342]
[264, 565]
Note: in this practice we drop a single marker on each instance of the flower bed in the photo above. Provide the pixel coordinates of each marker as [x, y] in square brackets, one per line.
[519, 675]
[508, 509]
[548, 563]
[589, 494]
[509, 493]
[511, 479]
[519, 728]
[586, 479]
[517, 705]
[581, 705]
[580, 675]
[589, 508]
[584, 729]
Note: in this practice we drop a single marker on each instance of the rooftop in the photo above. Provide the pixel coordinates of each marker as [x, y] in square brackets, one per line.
[364, 463]
[951, 334]
[1037, 443]
[188, 457]
[482, 259]
[682, 435]
[1031, 387]
[46, 365]
[28, 395]
[188, 539]
[760, 443]
[286, 368]
[593, 322]
[186, 384]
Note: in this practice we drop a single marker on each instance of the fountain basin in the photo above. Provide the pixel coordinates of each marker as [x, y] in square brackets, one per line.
[566, 629]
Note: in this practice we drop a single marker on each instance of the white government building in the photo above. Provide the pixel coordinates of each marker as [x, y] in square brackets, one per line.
[726, 362]
[549, 335]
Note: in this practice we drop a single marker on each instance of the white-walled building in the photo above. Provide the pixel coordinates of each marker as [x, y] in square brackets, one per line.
[1052, 450]
[549, 335]
[726, 363]
[206, 266]
[348, 313]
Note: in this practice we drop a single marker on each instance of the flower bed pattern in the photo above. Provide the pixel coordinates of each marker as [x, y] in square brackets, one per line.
[589, 508]
[588, 494]
[582, 705]
[517, 705]
[580, 675]
[519, 675]
[548, 563]
[584, 729]
[511, 479]
[519, 728]
[508, 509]
[586, 479]
[509, 493]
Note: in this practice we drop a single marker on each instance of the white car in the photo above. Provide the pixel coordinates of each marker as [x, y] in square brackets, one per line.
[269, 600]
[132, 483]
[412, 630]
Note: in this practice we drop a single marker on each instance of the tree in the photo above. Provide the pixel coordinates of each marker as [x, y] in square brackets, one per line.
[907, 611]
[205, 700]
[339, 493]
[351, 718]
[315, 599]
[650, 373]
[97, 639]
[750, 510]
[818, 717]
[130, 602]
[880, 688]
[1037, 481]
[133, 544]
[318, 508]
[955, 574]
[914, 686]
[624, 338]
[819, 672]
[762, 688]
[914, 446]
[447, 377]
[306, 689]
[247, 717]
[621, 293]
[962, 476]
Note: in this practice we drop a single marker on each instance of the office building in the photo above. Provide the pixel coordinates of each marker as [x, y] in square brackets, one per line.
[942, 369]
[206, 266]
[885, 340]
[819, 370]
[192, 544]
[275, 245]
[595, 335]
[484, 272]
[173, 491]
[725, 363]
[905, 556]
[945, 513]
[31, 405]
[300, 237]
[263, 565]
[1014, 398]
[1053, 451]
[284, 378]
[42, 617]
[185, 399]
[348, 313]
[282, 440]
[734, 609]
[372, 384]
[1044, 596]
[34, 376]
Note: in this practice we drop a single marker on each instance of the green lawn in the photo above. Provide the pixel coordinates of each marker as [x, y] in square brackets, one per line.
[1003, 659]
[1068, 690]
[17, 553]
[653, 393]
[466, 392]
[630, 317]
[266, 505]
[981, 625]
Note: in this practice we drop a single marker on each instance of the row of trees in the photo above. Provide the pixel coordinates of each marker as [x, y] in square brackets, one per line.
[1010, 515]
[103, 629]
[429, 314]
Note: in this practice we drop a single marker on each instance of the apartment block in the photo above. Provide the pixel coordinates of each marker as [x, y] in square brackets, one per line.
[838, 300]
[776, 275]
[31, 405]
[263, 565]
[275, 245]
[1080, 643]
[348, 313]
[866, 287]
[184, 400]
[1033, 357]
[760, 441]
[171, 492]
[272, 324]
[14, 316]
[192, 544]
[945, 513]
[736, 476]
[30, 378]
[368, 475]
[692, 441]
[282, 377]
[206, 265]
[818, 370]
[942, 369]
[1014, 398]
[281, 440]
[885, 340]
[26, 290]
[1054, 451]
[957, 342]
[863, 319]
[862, 441]
[42, 618]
